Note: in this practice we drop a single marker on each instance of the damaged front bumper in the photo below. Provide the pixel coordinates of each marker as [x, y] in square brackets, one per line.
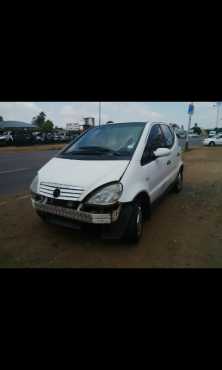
[80, 213]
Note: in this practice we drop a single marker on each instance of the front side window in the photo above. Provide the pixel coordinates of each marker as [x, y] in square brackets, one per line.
[156, 139]
[114, 141]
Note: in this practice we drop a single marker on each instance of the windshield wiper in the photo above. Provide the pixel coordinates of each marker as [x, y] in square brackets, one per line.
[98, 150]
[94, 150]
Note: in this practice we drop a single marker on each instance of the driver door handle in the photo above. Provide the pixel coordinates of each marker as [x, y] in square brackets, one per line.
[168, 163]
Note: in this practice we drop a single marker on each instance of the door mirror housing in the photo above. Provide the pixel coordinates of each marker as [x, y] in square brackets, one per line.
[161, 152]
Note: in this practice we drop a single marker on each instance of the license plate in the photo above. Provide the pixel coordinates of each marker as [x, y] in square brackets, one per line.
[64, 212]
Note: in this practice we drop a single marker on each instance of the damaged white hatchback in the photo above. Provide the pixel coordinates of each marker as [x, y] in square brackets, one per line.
[110, 176]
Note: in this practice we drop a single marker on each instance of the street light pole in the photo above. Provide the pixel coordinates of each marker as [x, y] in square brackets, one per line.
[190, 112]
[218, 114]
[100, 113]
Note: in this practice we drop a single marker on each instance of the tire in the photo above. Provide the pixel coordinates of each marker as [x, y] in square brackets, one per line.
[134, 229]
[211, 143]
[179, 183]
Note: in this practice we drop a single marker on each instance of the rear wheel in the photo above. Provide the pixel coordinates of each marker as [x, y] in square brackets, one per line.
[135, 227]
[212, 143]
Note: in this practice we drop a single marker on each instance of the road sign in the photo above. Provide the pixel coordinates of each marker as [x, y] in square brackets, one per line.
[191, 109]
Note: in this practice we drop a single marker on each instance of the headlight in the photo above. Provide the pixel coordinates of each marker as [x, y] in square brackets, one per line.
[34, 185]
[107, 195]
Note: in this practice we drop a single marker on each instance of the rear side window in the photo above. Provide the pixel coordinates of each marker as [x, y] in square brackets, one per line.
[168, 136]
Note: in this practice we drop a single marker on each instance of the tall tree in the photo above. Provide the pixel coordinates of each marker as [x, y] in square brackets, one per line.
[39, 120]
[1, 119]
[47, 126]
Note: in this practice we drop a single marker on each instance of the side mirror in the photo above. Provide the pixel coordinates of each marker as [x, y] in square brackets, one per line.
[161, 152]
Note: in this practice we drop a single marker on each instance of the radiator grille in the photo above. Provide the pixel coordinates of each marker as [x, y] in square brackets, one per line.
[67, 192]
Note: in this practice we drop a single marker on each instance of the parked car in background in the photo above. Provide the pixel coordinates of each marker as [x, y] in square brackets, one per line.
[110, 176]
[212, 133]
[194, 135]
[6, 138]
[62, 137]
[213, 141]
[56, 137]
[38, 138]
[23, 137]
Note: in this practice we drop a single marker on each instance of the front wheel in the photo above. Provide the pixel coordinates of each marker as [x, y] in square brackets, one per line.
[135, 227]
[179, 182]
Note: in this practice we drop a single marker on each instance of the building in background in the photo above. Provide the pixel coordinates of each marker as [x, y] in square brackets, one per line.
[88, 122]
[70, 127]
[15, 125]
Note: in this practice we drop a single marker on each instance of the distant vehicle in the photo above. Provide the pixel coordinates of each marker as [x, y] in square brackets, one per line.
[110, 176]
[56, 137]
[212, 133]
[213, 141]
[194, 135]
[182, 135]
[38, 138]
[48, 137]
[70, 137]
[6, 138]
[23, 138]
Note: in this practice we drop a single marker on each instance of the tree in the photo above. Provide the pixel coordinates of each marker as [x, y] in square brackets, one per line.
[47, 126]
[39, 120]
[1, 119]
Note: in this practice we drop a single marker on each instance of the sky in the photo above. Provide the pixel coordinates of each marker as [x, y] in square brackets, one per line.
[66, 112]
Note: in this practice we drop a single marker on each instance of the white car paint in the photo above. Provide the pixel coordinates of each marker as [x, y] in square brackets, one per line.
[215, 140]
[152, 178]
[87, 175]
[79, 178]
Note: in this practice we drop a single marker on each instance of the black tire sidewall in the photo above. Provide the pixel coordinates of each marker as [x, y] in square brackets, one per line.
[131, 234]
[177, 188]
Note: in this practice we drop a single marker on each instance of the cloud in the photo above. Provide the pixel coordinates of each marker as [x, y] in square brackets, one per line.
[18, 111]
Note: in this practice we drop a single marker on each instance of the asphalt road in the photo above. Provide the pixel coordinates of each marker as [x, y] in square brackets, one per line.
[18, 169]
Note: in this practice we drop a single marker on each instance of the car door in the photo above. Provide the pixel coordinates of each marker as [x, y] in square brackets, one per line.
[172, 161]
[219, 140]
[153, 169]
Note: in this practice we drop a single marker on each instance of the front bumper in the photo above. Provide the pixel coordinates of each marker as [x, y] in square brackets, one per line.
[90, 217]
[111, 224]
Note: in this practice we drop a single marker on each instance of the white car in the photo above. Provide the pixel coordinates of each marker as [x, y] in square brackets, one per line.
[6, 138]
[212, 133]
[110, 176]
[212, 141]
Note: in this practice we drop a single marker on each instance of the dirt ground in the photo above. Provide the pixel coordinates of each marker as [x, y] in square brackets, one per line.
[185, 230]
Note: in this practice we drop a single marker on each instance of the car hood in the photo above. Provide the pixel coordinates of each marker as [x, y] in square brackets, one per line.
[87, 175]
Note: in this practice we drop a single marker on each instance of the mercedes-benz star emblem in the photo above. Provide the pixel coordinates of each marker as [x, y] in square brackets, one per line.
[56, 193]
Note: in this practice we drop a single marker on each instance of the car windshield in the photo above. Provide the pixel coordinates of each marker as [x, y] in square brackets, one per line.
[107, 141]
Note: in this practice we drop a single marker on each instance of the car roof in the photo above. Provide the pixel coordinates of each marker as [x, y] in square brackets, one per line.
[134, 123]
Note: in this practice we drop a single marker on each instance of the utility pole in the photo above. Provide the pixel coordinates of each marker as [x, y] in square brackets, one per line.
[190, 112]
[218, 114]
[100, 104]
